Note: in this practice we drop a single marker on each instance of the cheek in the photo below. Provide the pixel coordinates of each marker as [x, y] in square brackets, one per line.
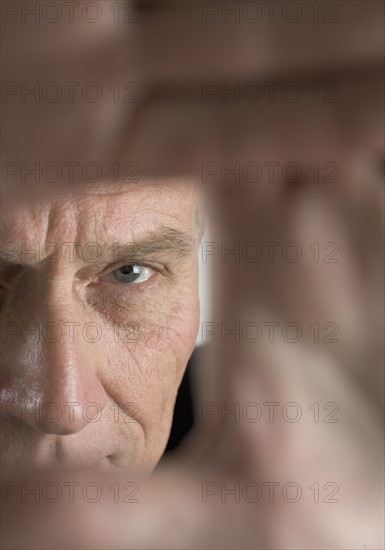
[142, 362]
[142, 379]
[165, 321]
[150, 335]
[146, 353]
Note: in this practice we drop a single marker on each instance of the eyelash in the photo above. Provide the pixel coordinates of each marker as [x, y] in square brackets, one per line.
[151, 284]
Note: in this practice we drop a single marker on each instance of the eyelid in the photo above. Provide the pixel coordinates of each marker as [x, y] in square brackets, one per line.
[158, 268]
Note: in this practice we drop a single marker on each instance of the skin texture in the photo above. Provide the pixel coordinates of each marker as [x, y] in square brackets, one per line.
[96, 380]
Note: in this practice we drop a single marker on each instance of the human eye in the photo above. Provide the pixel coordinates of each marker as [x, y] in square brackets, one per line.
[128, 274]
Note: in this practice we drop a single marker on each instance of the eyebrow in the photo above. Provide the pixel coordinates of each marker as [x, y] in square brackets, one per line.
[166, 240]
[178, 243]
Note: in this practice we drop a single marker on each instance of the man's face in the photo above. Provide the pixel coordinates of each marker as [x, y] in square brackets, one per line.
[99, 317]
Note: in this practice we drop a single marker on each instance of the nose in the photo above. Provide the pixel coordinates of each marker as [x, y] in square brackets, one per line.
[69, 394]
[50, 370]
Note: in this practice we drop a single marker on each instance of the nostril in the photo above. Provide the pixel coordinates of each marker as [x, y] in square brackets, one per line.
[61, 425]
[58, 429]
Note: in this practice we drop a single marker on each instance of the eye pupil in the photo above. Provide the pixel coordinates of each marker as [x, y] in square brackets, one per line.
[129, 273]
[127, 269]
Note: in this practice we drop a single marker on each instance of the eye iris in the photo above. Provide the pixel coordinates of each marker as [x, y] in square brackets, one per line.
[129, 273]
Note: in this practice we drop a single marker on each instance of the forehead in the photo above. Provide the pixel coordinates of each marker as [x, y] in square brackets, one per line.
[104, 211]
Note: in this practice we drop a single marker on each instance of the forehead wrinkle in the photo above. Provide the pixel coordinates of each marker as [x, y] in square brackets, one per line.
[29, 226]
[101, 218]
[132, 220]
